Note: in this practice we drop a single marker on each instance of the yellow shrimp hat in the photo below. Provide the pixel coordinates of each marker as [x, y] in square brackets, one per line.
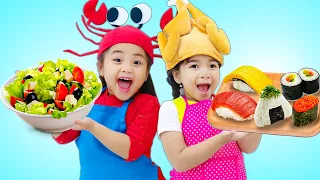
[185, 36]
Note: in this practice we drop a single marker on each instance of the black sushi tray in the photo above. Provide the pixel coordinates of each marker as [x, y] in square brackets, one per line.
[283, 128]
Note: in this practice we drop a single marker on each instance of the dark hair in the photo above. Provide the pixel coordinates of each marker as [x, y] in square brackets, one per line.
[174, 85]
[146, 88]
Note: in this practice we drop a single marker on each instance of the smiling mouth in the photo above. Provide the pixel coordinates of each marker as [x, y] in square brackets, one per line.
[124, 84]
[203, 88]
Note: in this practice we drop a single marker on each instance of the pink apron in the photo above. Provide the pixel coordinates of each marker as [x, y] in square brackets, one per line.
[226, 163]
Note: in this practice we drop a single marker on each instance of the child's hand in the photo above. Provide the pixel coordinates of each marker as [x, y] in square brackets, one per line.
[84, 124]
[239, 135]
[233, 135]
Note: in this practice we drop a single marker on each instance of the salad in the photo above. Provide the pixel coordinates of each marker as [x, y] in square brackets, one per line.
[53, 88]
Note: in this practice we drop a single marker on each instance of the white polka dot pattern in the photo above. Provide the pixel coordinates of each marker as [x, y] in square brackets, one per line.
[227, 163]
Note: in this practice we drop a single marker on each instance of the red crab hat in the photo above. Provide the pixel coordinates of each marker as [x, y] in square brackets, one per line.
[127, 34]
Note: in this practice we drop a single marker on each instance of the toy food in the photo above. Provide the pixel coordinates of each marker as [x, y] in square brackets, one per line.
[310, 80]
[305, 110]
[235, 105]
[291, 86]
[248, 79]
[272, 107]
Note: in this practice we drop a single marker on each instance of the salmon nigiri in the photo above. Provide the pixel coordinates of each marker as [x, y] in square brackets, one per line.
[235, 105]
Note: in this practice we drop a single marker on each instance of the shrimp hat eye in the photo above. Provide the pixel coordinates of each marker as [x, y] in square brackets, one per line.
[117, 16]
[140, 14]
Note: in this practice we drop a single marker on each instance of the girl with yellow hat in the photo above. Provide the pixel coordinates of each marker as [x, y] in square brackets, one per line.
[193, 49]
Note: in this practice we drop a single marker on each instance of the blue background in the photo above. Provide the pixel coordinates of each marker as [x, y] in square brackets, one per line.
[277, 36]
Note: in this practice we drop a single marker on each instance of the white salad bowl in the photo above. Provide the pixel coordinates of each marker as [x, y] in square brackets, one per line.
[47, 123]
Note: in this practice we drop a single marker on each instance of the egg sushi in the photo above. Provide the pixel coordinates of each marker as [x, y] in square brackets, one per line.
[248, 79]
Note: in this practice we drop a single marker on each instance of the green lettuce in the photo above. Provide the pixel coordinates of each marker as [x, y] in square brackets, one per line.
[49, 67]
[15, 88]
[59, 114]
[38, 108]
[64, 65]
[44, 95]
[21, 107]
[67, 105]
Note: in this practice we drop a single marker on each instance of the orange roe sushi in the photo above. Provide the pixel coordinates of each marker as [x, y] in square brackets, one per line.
[305, 110]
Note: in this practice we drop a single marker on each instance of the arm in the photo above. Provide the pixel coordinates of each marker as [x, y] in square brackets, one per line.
[129, 146]
[250, 143]
[66, 137]
[184, 158]
[181, 157]
[118, 143]
[143, 128]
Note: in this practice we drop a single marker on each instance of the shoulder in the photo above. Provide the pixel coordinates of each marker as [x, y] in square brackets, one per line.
[145, 99]
[168, 118]
[145, 103]
[168, 106]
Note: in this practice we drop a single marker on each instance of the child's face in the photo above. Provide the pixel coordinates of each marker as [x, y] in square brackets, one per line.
[124, 69]
[200, 76]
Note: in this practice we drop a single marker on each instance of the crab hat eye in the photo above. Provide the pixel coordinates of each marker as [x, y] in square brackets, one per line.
[140, 13]
[117, 16]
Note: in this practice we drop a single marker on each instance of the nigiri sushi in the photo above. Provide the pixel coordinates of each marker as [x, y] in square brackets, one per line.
[305, 110]
[234, 105]
[248, 79]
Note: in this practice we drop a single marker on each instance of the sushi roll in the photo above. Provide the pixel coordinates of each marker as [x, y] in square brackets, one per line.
[310, 80]
[305, 110]
[248, 79]
[272, 107]
[291, 86]
[234, 105]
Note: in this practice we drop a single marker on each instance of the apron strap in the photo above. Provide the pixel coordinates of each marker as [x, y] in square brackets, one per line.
[122, 121]
[185, 100]
[103, 89]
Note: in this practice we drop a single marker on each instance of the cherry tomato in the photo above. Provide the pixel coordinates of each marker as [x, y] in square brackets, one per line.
[78, 74]
[61, 91]
[73, 87]
[40, 68]
[59, 105]
[13, 100]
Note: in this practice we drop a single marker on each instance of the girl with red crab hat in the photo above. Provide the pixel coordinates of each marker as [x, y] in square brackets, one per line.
[115, 140]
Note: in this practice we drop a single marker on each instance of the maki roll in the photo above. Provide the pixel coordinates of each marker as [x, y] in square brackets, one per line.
[305, 110]
[272, 107]
[291, 86]
[310, 80]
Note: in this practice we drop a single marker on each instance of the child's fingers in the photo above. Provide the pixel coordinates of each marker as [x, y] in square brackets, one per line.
[78, 125]
[239, 135]
[228, 134]
[77, 128]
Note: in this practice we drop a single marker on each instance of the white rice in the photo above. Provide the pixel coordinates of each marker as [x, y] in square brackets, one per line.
[227, 113]
[305, 78]
[261, 114]
[297, 79]
[241, 86]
